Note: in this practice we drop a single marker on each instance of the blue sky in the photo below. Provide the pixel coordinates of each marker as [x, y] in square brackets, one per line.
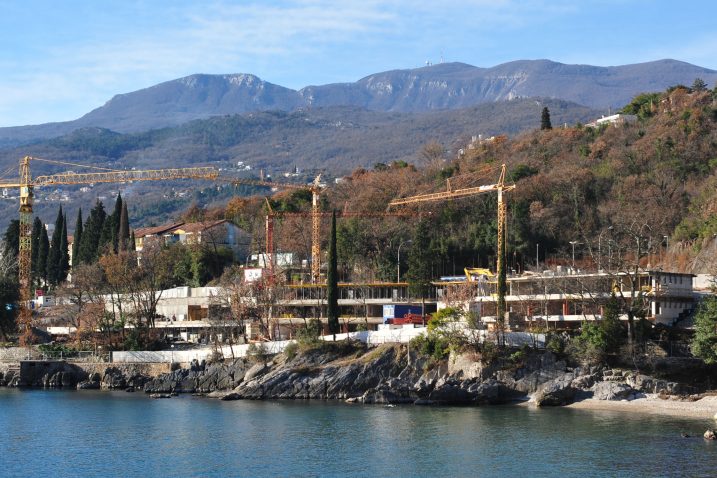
[59, 60]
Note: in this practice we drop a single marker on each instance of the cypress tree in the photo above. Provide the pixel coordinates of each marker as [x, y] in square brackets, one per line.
[91, 234]
[332, 286]
[77, 239]
[64, 253]
[54, 256]
[106, 243]
[37, 228]
[419, 273]
[43, 250]
[132, 243]
[123, 232]
[545, 119]
[116, 214]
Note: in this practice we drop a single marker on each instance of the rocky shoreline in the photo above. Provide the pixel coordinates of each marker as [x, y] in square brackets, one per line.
[388, 374]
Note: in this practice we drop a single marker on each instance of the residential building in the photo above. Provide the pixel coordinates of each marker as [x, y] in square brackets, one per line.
[615, 120]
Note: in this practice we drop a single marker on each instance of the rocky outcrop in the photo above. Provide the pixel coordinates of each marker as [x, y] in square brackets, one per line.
[388, 374]
[613, 391]
[199, 378]
[391, 375]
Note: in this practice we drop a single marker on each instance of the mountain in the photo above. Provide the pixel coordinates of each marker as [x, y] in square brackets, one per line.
[334, 140]
[442, 86]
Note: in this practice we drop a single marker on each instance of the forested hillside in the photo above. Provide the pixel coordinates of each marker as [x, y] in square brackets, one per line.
[656, 176]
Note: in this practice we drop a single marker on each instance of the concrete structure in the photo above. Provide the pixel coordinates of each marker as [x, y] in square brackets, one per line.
[615, 120]
[569, 297]
[196, 313]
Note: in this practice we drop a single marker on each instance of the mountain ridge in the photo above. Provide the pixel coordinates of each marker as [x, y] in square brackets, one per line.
[442, 86]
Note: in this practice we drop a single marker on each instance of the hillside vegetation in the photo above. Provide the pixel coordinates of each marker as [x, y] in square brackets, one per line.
[332, 140]
[657, 174]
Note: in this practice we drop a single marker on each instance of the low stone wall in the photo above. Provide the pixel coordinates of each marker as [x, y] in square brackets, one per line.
[198, 354]
[127, 369]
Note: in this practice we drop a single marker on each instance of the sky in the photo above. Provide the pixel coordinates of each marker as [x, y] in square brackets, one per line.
[60, 60]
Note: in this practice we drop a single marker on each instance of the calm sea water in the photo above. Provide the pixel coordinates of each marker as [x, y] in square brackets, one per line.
[93, 434]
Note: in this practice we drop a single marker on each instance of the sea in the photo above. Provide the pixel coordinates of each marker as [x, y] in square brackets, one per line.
[107, 434]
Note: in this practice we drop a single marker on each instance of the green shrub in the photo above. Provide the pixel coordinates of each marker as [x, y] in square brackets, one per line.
[518, 356]
[291, 350]
[308, 337]
[555, 345]
[704, 343]
[598, 339]
[431, 345]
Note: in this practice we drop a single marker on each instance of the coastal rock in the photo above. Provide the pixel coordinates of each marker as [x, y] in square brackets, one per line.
[492, 392]
[113, 379]
[557, 392]
[465, 365]
[256, 370]
[199, 378]
[647, 384]
[386, 397]
[612, 391]
[9, 376]
[326, 374]
[88, 385]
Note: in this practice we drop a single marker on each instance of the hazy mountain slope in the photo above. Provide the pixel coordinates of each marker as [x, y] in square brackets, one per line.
[334, 140]
[443, 86]
[457, 85]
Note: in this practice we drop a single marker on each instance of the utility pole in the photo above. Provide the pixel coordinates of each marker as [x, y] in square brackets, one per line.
[572, 243]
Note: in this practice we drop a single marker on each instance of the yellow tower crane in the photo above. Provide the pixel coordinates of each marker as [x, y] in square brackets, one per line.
[500, 187]
[26, 184]
[316, 190]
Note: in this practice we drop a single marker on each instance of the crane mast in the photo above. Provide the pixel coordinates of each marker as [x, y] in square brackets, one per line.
[26, 185]
[500, 187]
[315, 189]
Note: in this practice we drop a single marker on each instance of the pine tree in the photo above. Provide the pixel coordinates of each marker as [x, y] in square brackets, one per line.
[332, 286]
[123, 232]
[11, 240]
[37, 228]
[12, 237]
[54, 256]
[77, 239]
[43, 250]
[64, 252]
[545, 119]
[704, 342]
[699, 85]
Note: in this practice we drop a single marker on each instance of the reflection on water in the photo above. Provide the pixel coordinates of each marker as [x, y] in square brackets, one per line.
[64, 434]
